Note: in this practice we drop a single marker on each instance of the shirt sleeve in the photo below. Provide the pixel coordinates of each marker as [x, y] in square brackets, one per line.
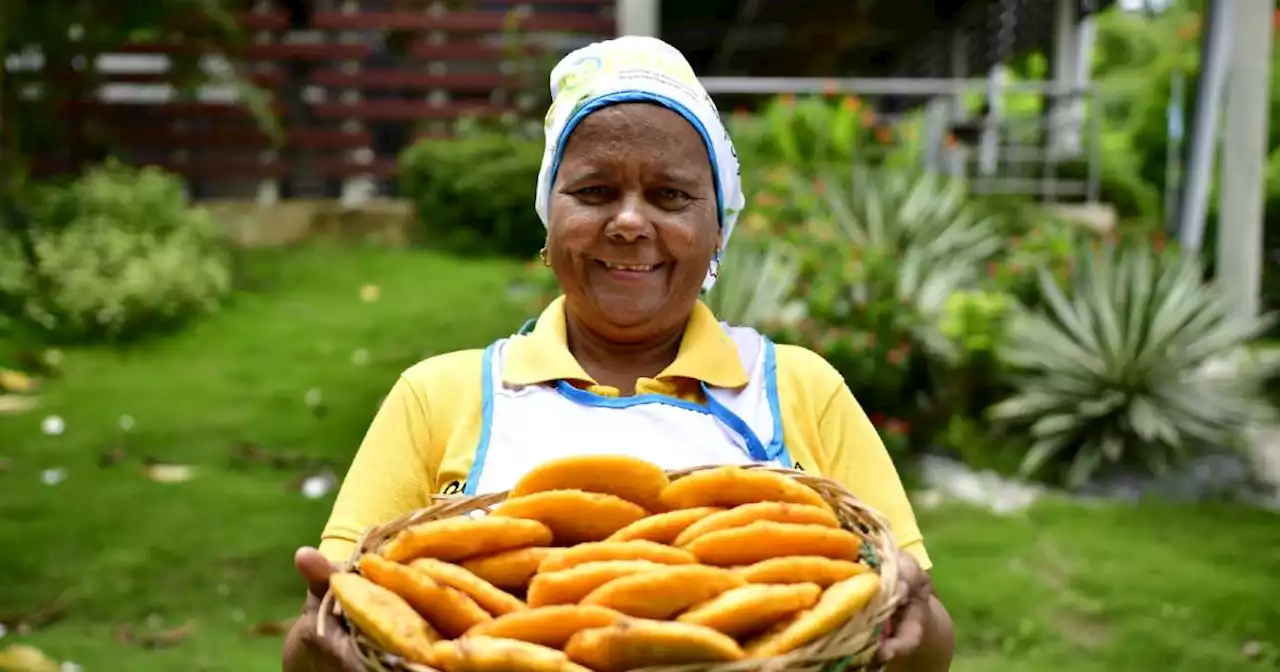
[859, 460]
[389, 474]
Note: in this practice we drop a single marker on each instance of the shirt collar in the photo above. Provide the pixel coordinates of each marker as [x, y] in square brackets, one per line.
[707, 353]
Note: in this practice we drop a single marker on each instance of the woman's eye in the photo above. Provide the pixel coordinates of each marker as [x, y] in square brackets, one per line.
[594, 192]
[672, 195]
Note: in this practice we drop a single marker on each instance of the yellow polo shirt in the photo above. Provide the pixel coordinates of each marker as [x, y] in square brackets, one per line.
[423, 440]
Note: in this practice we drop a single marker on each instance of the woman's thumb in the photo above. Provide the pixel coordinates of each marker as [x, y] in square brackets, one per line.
[313, 567]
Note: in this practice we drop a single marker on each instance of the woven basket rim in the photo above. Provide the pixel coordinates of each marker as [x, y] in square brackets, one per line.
[855, 640]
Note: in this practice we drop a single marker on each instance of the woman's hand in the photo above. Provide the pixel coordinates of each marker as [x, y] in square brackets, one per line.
[304, 649]
[921, 638]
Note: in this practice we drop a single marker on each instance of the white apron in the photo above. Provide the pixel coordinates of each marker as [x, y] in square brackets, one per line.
[524, 426]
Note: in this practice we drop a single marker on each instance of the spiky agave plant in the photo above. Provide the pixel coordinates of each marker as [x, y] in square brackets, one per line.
[756, 286]
[912, 238]
[1130, 366]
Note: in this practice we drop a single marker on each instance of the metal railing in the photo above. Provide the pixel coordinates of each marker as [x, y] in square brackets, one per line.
[1018, 155]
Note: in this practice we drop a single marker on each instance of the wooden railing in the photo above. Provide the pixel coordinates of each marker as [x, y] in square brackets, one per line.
[347, 99]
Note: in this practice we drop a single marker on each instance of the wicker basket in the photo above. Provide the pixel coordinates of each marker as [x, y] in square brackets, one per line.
[849, 648]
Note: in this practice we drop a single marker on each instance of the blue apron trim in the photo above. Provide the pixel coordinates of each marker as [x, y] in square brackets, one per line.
[713, 408]
[486, 422]
[777, 447]
[528, 327]
[722, 413]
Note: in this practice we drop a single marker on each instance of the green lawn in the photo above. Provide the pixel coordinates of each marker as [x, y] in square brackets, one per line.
[1065, 587]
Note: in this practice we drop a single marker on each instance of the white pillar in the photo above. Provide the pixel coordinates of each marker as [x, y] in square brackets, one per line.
[1244, 156]
[639, 17]
[957, 156]
[1072, 56]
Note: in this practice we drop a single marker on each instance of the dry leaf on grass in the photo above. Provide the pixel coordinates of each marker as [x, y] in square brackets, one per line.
[27, 621]
[16, 381]
[15, 403]
[170, 473]
[26, 658]
[112, 456]
[125, 634]
[271, 628]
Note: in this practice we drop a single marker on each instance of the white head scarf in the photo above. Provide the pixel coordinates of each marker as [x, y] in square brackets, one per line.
[639, 69]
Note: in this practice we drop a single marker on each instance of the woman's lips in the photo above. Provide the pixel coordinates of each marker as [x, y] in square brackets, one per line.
[628, 271]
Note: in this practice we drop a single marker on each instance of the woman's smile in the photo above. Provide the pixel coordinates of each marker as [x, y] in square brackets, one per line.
[630, 272]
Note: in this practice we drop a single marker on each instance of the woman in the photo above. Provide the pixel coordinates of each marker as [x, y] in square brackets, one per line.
[639, 191]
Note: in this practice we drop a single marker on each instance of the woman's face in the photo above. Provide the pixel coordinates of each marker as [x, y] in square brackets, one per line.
[633, 221]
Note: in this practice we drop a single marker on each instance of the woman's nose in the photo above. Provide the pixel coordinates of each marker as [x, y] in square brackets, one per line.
[629, 223]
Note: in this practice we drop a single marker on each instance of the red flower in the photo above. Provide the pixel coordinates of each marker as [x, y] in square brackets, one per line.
[895, 427]
[877, 419]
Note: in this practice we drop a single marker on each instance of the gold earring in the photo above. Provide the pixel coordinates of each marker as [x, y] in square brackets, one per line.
[542, 254]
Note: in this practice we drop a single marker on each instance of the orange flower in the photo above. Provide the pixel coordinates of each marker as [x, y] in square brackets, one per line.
[741, 111]
[829, 87]
[993, 269]
[884, 135]
[850, 103]
[868, 117]
[767, 200]
[895, 427]
[787, 99]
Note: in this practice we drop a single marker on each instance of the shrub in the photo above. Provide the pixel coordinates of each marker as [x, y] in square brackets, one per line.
[474, 194]
[883, 254]
[1128, 367]
[823, 131]
[119, 252]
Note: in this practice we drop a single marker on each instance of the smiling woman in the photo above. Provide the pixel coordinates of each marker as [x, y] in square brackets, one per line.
[639, 191]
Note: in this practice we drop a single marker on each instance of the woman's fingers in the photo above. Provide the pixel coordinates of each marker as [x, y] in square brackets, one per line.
[908, 630]
[338, 645]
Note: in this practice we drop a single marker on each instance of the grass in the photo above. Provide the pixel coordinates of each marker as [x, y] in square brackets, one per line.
[1066, 586]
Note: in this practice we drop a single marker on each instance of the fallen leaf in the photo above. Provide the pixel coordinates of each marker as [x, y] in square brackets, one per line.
[125, 634]
[111, 456]
[5, 464]
[16, 403]
[360, 357]
[271, 628]
[44, 614]
[53, 476]
[16, 381]
[369, 293]
[26, 658]
[170, 473]
[126, 422]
